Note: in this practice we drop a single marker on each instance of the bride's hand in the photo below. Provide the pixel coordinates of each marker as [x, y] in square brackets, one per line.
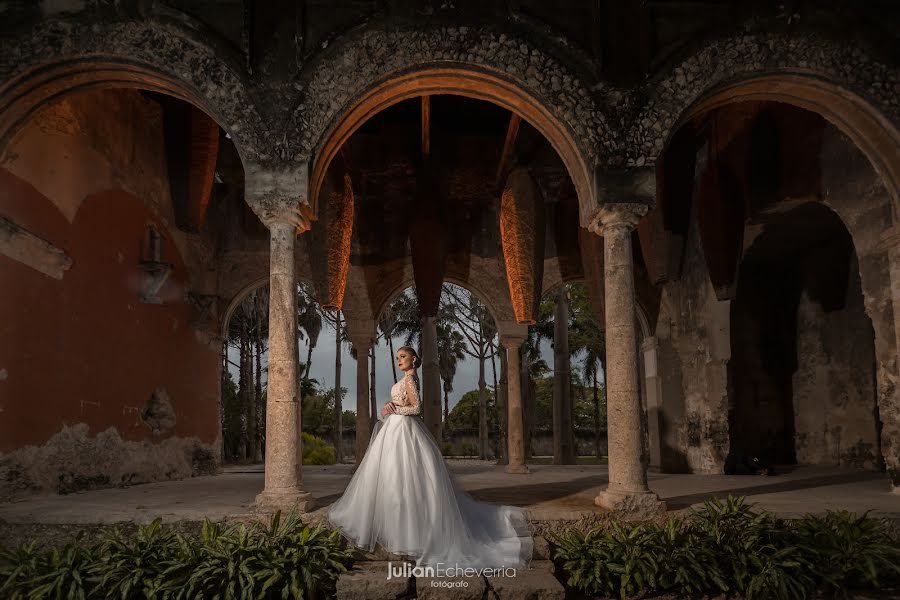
[388, 409]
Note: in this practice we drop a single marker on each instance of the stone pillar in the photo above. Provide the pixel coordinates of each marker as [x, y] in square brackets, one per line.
[889, 365]
[515, 435]
[503, 408]
[276, 198]
[654, 400]
[431, 379]
[627, 490]
[362, 345]
[563, 434]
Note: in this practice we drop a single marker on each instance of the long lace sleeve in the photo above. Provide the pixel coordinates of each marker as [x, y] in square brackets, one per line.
[412, 398]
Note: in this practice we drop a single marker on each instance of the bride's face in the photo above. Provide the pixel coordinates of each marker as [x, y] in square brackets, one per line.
[405, 360]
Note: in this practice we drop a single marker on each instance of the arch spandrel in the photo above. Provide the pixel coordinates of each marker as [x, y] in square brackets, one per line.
[846, 85]
[60, 56]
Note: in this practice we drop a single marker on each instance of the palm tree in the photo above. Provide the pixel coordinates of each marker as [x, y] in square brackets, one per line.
[474, 321]
[588, 340]
[309, 321]
[451, 350]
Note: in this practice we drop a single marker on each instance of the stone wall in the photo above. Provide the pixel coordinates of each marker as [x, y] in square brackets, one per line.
[834, 385]
[99, 388]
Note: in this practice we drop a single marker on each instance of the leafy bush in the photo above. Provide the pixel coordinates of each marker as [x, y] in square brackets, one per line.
[850, 551]
[284, 559]
[727, 547]
[317, 451]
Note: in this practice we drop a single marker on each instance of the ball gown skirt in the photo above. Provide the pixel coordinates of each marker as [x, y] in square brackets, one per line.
[404, 497]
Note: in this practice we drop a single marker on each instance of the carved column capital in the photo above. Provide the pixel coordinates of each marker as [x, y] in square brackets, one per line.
[279, 193]
[616, 216]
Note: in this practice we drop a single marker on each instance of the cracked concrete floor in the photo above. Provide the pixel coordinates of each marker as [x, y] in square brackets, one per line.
[550, 491]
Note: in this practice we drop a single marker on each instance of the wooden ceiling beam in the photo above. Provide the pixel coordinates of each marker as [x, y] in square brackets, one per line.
[509, 145]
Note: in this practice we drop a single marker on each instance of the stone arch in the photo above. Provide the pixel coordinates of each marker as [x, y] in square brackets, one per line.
[845, 85]
[408, 282]
[376, 68]
[641, 313]
[236, 300]
[60, 56]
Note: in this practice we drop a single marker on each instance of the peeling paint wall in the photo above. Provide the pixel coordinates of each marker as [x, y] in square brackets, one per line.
[75, 459]
[100, 388]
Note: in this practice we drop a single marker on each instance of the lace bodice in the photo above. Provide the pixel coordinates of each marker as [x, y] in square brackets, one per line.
[405, 398]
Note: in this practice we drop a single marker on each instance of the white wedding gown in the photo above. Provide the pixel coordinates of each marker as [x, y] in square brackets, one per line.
[404, 497]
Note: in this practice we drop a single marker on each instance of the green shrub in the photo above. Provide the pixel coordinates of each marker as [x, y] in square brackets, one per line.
[850, 551]
[127, 565]
[727, 547]
[59, 573]
[284, 559]
[317, 451]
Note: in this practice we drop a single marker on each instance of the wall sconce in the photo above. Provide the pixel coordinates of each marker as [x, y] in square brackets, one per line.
[154, 267]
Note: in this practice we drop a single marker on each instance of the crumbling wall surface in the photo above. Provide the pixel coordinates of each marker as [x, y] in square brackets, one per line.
[74, 460]
[856, 193]
[694, 339]
[834, 385]
[95, 344]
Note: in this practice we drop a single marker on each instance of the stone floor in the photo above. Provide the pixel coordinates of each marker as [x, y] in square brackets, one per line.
[549, 492]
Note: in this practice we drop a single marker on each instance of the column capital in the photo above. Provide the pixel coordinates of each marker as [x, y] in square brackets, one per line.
[617, 215]
[279, 193]
[650, 343]
[511, 342]
[361, 331]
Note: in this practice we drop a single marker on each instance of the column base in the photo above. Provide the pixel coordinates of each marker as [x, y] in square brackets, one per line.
[285, 501]
[640, 506]
[517, 469]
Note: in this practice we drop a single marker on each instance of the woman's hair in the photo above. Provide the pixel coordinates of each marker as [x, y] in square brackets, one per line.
[417, 362]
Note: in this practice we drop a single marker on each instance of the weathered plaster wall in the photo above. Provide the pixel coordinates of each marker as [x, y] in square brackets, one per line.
[693, 330]
[856, 193]
[834, 385]
[81, 355]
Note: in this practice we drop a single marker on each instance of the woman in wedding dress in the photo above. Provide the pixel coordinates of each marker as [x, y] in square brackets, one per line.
[404, 497]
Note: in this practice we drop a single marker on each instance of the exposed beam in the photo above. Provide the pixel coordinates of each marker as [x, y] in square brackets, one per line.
[426, 125]
[512, 132]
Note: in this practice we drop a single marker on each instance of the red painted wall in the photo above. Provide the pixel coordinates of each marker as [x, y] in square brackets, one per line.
[84, 349]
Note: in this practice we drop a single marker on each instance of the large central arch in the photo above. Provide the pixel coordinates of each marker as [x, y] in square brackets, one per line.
[378, 68]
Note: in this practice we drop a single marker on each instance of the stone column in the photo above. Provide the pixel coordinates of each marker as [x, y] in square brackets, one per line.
[563, 434]
[276, 198]
[362, 345]
[515, 435]
[654, 397]
[431, 379]
[627, 490]
[361, 333]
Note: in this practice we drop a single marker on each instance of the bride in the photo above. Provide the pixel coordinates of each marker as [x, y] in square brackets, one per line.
[403, 496]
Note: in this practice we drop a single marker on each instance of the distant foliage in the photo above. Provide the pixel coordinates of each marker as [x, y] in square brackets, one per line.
[317, 451]
[726, 547]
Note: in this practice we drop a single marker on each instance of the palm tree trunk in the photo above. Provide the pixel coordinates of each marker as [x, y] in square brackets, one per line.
[257, 393]
[596, 411]
[482, 406]
[243, 445]
[390, 337]
[338, 429]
